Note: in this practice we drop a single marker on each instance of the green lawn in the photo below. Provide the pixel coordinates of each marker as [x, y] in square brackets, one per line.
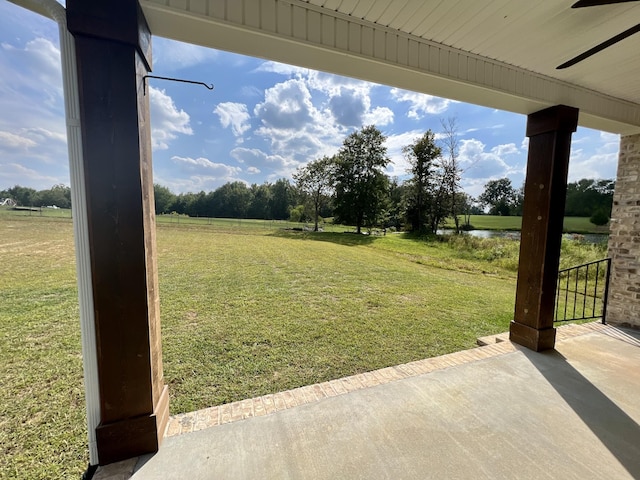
[496, 222]
[245, 311]
[247, 314]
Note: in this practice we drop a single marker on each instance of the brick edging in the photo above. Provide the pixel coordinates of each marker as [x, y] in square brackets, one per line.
[274, 402]
[267, 404]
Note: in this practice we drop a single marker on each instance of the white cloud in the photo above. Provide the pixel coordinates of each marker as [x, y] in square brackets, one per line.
[505, 149]
[40, 65]
[601, 165]
[321, 81]
[596, 157]
[479, 165]
[294, 127]
[308, 115]
[171, 55]
[394, 144]
[286, 106]
[233, 115]
[610, 141]
[421, 104]
[199, 174]
[204, 165]
[282, 69]
[17, 174]
[348, 107]
[34, 157]
[166, 120]
[37, 142]
[12, 141]
[196, 183]
[379, 116]
[259, 161]
[31, 86]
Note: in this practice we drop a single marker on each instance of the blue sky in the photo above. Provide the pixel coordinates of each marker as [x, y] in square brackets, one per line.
[261, 122]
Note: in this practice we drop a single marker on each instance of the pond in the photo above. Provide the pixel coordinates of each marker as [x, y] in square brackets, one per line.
[515, 235]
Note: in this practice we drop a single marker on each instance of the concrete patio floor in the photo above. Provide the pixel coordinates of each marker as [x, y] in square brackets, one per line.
[493, 412]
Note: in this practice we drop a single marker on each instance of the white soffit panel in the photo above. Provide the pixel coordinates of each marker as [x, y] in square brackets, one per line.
[501, 54]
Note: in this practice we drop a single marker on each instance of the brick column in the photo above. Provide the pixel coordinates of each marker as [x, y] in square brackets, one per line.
[545, 191]
[113, 48]
[624, 239]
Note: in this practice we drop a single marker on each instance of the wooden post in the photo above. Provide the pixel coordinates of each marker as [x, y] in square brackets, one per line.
[545, 190]
[113, 47]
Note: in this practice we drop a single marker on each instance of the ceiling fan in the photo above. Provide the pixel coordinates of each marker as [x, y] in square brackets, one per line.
[606, 43]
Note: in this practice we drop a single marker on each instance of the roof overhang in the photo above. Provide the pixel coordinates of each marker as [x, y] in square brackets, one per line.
[479, 66]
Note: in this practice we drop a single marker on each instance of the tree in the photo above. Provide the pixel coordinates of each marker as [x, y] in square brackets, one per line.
[465, 207]
[451, 171]
[232, 200]
[314, 180]
[164, 199]
[24, 196]
[599, 218]
[58, 195]
[359, 181]
[260, 201]
[424, 209]
[585, 197]
[499, 196]
[396, 210]
[282, 197]
[518, 205]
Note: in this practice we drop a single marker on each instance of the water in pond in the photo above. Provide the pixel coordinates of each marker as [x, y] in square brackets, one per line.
[587, 237]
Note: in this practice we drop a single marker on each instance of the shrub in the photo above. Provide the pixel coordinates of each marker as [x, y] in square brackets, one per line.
[599, 218]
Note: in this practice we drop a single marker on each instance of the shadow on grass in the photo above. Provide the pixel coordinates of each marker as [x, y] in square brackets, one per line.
[341, 238]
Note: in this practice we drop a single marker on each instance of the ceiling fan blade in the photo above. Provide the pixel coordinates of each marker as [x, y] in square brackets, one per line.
[600, 47]
[595, 3]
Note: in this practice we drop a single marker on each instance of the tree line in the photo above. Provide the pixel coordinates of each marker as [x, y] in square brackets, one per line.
[585, 198]
[58, 195]
[353, 188]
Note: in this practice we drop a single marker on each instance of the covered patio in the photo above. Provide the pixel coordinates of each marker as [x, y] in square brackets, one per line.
[501, 54]
[498, 411]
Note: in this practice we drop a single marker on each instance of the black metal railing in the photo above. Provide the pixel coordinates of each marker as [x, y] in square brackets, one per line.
[582, 292]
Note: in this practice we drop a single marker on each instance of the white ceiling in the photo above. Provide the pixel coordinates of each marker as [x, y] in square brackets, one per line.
[533, 35]
[497, 53]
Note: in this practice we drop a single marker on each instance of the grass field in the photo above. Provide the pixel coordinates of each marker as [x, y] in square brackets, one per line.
[496, 222]
[479, 222]
[246, 309]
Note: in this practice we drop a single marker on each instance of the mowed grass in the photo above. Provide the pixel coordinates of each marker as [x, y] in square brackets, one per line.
[245, 311]
[42, 412]
[248, 314]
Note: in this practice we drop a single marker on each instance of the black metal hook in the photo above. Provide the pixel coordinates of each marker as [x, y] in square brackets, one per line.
[210, 87]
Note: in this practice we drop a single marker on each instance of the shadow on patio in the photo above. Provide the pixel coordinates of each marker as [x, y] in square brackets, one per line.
[497, 411]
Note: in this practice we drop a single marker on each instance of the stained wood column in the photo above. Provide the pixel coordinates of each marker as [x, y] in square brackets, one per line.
[113, 47]
[545, 190]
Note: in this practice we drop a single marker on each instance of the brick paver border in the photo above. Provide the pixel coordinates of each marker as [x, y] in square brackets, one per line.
[267, 404]
[255, 407]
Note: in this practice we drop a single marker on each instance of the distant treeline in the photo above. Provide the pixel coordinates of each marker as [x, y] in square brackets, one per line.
[587, 197]
[58, 195]
[269, 201]
[282, 200]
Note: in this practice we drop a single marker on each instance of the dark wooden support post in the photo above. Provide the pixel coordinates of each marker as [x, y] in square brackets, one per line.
[545, 189]
[113, 48]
